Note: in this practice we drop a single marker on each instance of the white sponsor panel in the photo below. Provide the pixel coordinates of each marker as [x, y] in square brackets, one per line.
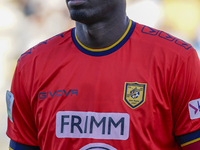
[194, 109]
[74, 124]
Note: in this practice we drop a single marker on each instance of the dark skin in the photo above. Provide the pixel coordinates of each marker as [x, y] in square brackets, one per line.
[98, 20]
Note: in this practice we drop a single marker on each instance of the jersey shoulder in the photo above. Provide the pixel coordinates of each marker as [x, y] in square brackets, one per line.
[164, 40]
[44, 46]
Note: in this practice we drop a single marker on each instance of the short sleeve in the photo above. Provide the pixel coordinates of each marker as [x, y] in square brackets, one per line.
[186, 96]
[21, 126]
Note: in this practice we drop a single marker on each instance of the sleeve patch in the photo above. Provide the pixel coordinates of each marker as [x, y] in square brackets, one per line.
[194, 109]
[189, 138]
[9, 102]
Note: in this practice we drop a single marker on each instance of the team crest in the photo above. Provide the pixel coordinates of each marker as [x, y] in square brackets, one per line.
[134, 94]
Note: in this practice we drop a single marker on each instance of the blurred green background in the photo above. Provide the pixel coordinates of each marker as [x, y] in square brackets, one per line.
[24, 23]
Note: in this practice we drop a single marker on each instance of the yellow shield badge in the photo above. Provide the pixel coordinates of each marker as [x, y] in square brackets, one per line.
[134, 94]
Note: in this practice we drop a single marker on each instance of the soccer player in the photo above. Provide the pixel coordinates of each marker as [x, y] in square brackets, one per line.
[109, 83]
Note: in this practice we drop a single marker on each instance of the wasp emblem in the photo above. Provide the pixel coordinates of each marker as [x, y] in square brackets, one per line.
[134, 94]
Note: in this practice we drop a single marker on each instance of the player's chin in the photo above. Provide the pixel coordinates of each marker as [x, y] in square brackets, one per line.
[81, 16]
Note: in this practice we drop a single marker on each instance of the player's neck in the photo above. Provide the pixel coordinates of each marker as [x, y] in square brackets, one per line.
[102, 34]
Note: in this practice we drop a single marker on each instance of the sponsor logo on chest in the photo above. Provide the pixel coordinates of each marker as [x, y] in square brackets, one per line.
[74, 124]
[57, 93]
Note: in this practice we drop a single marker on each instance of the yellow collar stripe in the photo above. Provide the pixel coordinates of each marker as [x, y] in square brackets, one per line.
[107, 48]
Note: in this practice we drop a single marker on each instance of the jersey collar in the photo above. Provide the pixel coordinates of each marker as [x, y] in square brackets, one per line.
[108, 50]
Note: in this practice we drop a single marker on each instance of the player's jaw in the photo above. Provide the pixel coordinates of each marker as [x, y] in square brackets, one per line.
[91, 11]
[80, 10]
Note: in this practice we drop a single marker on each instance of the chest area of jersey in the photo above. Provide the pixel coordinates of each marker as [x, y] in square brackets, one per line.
[94, 86]
[100, 99]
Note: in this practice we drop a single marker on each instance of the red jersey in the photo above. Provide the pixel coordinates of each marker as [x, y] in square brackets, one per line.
[140, 93]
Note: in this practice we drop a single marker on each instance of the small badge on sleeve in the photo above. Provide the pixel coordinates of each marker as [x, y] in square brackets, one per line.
[194, 109]
[9, 102]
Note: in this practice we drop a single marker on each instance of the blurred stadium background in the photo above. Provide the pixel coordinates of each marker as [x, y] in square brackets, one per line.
[24, 23]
